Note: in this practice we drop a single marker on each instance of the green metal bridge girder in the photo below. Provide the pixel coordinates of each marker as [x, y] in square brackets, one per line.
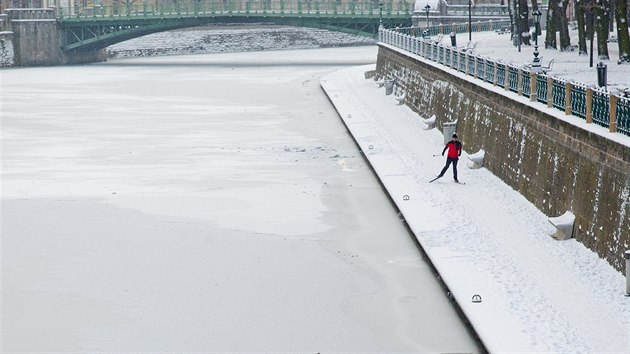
[99, 27]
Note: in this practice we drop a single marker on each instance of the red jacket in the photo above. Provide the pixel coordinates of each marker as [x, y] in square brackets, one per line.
[454, 149]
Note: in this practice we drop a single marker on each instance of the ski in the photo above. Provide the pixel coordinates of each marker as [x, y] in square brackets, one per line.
[458, 182]
[435, 179]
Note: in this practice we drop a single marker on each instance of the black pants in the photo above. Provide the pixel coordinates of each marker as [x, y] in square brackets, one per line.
[450, 160]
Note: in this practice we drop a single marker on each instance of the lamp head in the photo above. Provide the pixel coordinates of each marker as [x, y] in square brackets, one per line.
[537, 15]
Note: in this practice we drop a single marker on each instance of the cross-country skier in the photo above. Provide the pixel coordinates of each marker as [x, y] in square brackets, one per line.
[454, 148]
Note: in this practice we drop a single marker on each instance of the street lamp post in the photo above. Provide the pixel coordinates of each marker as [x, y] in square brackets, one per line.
[427, 8]
[591, 35]
[380, 15]
[536, 62]
[518, 26]
[470, 20]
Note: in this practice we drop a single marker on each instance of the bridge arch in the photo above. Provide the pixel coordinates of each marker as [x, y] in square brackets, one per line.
[103, 26]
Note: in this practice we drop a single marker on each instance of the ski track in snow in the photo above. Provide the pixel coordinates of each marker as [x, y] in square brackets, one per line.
[560, 295]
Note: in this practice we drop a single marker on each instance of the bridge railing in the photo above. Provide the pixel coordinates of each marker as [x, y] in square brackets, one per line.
[593, 105]
[305, 8]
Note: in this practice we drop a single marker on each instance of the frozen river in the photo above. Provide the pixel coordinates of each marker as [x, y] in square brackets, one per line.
[203, 203]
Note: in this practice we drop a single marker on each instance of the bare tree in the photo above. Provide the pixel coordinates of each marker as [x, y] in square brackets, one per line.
[563, 27]
[523, 19]
[601, 27]
[553, 20]
[518, 11]
[623, 39]
[580, 15]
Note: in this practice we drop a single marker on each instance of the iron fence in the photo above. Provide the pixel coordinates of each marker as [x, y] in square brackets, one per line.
[594, 105]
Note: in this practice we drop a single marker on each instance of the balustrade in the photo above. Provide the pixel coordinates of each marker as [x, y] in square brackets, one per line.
[601, 109]
[597, 106]
[526, 87]
[512, 78]
[541, 88]
[578, 101]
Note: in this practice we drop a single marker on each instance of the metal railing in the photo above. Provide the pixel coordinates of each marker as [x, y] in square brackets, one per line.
[236, 7]
[591, 104]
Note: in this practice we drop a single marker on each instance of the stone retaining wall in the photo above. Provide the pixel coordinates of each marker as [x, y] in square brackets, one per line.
[554, 164]
[6, 49]
[36, 39]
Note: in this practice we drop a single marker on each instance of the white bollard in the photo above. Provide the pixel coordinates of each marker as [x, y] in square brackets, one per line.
[627, 273]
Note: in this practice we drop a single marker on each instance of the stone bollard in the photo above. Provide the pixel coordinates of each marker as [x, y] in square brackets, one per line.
[564, 226]
[476, 159]
[389, 86]
[627, 255]
[430, 122]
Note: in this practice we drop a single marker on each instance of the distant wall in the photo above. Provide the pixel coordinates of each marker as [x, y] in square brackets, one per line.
[6, 49]
[555, 165]
[37, 40]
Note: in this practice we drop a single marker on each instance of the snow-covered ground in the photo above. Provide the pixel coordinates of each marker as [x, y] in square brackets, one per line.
[566, 65]
[233, 38]
[202, 203]
[537, 294]
[133, 176]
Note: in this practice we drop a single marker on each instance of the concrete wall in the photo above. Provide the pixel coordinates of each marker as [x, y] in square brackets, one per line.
[555, 165]
[6, 49]
[38, 40]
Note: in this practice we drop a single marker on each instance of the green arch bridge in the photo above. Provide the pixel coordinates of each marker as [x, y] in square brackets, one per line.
[99, 26]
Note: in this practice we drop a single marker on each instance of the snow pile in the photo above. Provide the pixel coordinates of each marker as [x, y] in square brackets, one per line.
[224, 39]
[521, 289]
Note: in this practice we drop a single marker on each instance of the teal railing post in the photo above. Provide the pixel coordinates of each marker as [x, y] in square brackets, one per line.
[567, 97]
[533, 84]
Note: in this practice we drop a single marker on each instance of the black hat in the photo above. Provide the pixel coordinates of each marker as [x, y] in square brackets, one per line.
[454, 136]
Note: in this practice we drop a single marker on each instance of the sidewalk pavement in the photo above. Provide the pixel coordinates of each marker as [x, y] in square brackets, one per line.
[486, 241]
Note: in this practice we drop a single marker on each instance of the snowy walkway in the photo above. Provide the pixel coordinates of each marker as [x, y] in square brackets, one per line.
[538, 294]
